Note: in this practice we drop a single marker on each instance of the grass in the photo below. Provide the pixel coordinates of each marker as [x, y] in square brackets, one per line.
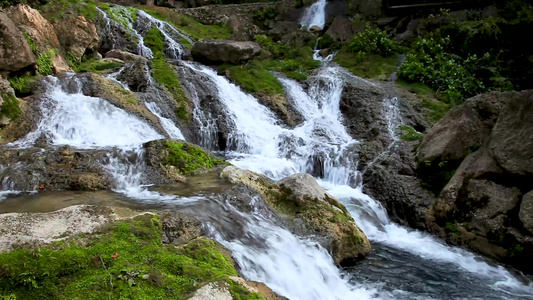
[188, 158]
[57, 9]
[254, 79]
[165, 74]
[22, 84]
[370, 66]
[125, 261]
[189, 25]
[410, 134]
[434, 109]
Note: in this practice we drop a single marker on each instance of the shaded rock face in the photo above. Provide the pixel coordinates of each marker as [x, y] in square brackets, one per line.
[526, 211]
[136, 75]
[15, 52]
[125, 56]
[77, 35]
[485, 204]
[302, 202]
[213, 51]
[340, 29]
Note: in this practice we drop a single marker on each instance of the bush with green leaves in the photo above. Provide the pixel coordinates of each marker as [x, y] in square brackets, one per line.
[430, 63]
[373, 41]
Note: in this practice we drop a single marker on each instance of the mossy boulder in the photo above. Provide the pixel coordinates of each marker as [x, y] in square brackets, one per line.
[124, 258]
[177, 159]
[299, 197]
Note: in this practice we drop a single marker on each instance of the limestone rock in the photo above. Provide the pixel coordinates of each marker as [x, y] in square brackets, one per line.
[340, 29]
[77, 35]
[213, 291]
[15, 52]
[179, 229]
[32, 23]
[220, 51]
[526, 211]
[124, 56]
[258, 287]
[300, 197]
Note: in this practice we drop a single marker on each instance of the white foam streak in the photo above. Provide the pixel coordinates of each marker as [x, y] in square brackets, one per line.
[169, 126]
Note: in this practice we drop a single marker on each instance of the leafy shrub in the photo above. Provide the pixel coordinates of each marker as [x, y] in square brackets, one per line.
[373, 41]
[429, 63]
[44, 62]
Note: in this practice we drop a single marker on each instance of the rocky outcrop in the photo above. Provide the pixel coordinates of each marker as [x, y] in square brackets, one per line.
[136, 76]
[526, 211]
[299, 197]
[15, 52]
[341, 30]
[125, 56]
[213, 51]
[484, 145]
[77, 35]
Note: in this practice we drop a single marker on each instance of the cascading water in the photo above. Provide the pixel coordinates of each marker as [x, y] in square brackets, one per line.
[168, 125]
[315, 15]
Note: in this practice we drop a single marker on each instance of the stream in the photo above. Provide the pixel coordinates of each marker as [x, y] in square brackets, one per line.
[404, 263]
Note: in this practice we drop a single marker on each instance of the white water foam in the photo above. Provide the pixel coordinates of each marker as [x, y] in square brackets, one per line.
[315, 15]
[169, 126]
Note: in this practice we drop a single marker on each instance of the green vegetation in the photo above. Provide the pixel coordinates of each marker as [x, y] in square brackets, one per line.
[261, 15]
[57, 9]
[254, 79]
[433, 109]
[373, 41]
[44, 62]
[22, 84]
[410, 134]
[165, 74]
[10, 107]
[370, 66]
[121, 14]
[189, 159]
[92, 65]
[189, 25]
[31, 42]
[125, 261]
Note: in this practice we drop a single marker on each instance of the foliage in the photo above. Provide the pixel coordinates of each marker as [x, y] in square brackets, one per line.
[371, 66]
[296, 75]
[261, 15]
[410, 134]
[10, 107]
[189, 159]
[44, 62]
[22, 84]
[429, 63]
[57, 9]
[143, 268]
[433, 109]
[189, 25]
[164, 73]
[373, 41]
[31, 43]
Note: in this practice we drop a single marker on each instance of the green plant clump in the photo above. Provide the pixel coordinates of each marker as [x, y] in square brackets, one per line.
[254, 79]
[44, 62]
[410, 134]
[373, 41]
[10, 107]
[371, 66]
[188, 158]
[125, 261]
[22, 84]
[57, 9]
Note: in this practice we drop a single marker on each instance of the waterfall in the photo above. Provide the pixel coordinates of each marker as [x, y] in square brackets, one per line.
[169, 126]
[315, 15]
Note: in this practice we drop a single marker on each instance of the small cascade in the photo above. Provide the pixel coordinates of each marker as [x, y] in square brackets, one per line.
[391, 112]
[315, 15]
[172, 35]
[85, 122]
[169, 126]
[107, 31]
[113, 76]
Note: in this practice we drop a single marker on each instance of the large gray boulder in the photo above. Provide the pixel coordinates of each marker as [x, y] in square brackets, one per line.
[526, 211]
[214, 51]
[15, 52]
[340, 29]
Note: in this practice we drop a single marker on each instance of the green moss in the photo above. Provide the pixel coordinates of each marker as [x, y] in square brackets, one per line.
[188, 158]
[10, 107]
[189, 25]
[296, 75]
[95, 65]
[371, 66]
[254, 79]
[433, 109]
[57, 9]
[410, 134]
[144, 269]
[22, 84]
[165, 74]
[31, 43]
[450, 228]
[44, 62]
[240, 293]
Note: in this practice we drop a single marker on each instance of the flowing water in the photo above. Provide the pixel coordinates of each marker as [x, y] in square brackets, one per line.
[315, 15]
[404, 263]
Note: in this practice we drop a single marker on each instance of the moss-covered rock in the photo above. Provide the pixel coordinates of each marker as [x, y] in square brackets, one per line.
[300, 197]
[123, 259]
[177, 159]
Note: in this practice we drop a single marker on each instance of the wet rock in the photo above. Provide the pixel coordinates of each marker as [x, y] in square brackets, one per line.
[315, 29]
[213, 51]
[526, 211]
[301, 199]
[341, 30]
[77, 35]
[136, 76]
[125, 56]
[237, 28]
[179, 229]
[325, 52]
[15, 52]
[38, 229]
